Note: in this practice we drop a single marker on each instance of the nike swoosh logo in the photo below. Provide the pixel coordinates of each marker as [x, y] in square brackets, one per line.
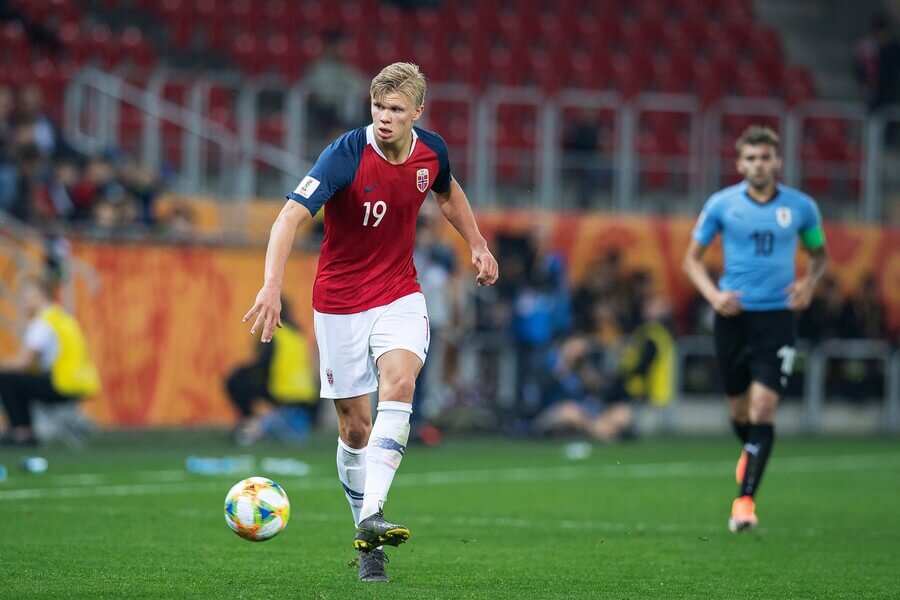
[369, 188]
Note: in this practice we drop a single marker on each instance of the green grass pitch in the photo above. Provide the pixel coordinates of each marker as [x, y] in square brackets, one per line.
[489, 518]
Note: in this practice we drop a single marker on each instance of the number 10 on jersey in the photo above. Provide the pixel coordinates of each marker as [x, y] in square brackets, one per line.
[375, 210]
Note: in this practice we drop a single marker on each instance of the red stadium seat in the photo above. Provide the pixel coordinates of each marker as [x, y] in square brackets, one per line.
[272, 129]
[798, 85]
[652, 174]
[589, 73]
[816, 179]
[665, 77]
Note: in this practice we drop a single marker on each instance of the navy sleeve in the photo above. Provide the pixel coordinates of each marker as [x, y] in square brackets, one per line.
[334, 170]
[441, 183]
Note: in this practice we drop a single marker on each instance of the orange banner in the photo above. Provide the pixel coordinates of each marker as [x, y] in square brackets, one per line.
[166, 327]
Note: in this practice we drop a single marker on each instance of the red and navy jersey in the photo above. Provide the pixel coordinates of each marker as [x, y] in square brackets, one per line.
[371, 207]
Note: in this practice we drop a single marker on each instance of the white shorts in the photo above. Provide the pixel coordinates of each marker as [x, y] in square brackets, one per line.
[350, 345]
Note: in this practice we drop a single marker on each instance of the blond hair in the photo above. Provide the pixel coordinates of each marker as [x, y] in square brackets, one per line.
[756, 135]
[402, 78]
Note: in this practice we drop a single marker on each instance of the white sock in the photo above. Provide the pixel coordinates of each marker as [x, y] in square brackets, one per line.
[387, 443]
[351, 464]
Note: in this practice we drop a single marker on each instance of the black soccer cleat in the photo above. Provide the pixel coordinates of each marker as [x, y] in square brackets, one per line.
[371, 565]
[374, 531]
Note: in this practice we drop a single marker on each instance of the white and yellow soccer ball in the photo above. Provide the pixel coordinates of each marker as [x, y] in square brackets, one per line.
[257, 509]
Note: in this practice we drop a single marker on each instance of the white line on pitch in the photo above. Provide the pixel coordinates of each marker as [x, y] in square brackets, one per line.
[636, 527]
[524, 474]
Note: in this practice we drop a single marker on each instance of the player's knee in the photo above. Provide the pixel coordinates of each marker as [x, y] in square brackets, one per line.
[355, 435]
[762, 409]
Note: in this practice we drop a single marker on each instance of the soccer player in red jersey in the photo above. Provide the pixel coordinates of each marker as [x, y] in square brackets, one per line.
[370, 318]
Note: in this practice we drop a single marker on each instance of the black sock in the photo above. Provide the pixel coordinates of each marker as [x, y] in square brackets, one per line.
[760, 438]
[742, 430]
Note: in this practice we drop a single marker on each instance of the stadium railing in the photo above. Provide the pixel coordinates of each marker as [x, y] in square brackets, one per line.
[486, 363]
[514, 149]
[815, 358]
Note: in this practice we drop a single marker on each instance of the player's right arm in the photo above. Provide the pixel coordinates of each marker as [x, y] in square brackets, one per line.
[726, 303]
[333, 171]
[281, 239]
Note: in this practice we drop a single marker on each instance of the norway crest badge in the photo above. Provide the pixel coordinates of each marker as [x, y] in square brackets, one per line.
[329, 375]
[783, 216]
[422, 180]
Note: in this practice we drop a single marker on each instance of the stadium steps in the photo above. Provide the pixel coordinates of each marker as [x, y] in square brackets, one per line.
[821, 35]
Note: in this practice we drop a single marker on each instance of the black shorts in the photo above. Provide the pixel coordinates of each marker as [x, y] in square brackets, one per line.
[755, 346]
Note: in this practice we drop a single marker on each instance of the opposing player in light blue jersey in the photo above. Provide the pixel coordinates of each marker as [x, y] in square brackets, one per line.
[760, 222]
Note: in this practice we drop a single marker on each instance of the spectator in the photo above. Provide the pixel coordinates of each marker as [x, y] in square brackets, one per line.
[337, 89]
[826, 317]
[584, 400]
[30, 112]
[584, 146]
[541, 312]
[601, 280]
[283, 376]
[142, 184]
[866, 311]
[53, 365]
[877, 63]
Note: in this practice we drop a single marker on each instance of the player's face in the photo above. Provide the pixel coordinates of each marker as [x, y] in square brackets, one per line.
[759, 164]
[393, 116]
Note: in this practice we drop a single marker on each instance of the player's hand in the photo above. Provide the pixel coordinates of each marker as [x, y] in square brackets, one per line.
[800, 294]
[488, 269]
[727, 304]
[267, 309]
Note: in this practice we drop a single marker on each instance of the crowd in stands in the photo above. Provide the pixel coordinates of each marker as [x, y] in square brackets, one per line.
[43, 179]
[588, 353]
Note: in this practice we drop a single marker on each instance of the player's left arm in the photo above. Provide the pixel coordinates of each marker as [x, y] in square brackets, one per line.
[456, 209]
[800, 292]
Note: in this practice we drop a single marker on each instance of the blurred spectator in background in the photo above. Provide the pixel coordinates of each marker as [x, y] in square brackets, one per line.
[180, 224]
[584, 144]
[877, 63]
[866, 311]
[602, 278]
[585, 399]
[36, 32]
[877, 66]
[30, 113]
[827, 316]
[53, 365]
[283, 376]
[435, 264]
[338, 90]
[541, 312]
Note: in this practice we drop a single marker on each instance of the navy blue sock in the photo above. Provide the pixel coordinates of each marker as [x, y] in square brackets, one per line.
[742, 430]
[760, 439]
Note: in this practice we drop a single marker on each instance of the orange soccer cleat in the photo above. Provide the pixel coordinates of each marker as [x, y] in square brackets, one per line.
[743, 515]
[741, 467]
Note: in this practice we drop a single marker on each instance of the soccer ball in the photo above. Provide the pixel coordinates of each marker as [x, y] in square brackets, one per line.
[257, 509]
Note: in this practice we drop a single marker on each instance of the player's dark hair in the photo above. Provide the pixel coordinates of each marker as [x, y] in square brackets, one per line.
[756, 135]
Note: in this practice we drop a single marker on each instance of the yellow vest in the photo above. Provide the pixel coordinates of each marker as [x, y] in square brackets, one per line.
[72, 372]
[291, 377]
[656, 384]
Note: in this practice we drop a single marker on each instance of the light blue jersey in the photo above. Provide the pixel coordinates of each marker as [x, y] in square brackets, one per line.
[759, 241]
